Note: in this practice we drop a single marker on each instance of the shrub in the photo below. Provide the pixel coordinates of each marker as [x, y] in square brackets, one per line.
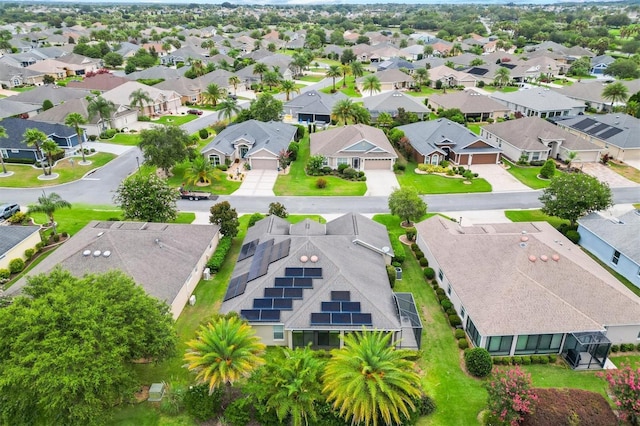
[64, 234]
[552, 358]
[56, 238]
[16, 265]
[419, 254]
[454, 320]
[536, 163]
[624, 384]
[17, 218]
[410, 233]
[399, 167]
[326, 170]
[510, 395]
[39, 246]
[222, 167]
[424, 262]
[350, 173]
[425, 405]
[440, 291]
[293, 149]
[627, 347]
[446, 304]
[216, 261]
[172, 402]
[615, 348]
[638, 347]
[4, 273]
[478, 362]
[548, 169]
[398, 251]
[463, 344]
[321, 183]
[459, 333]
[391, 273]
[199, 404]
[218, 126]
[526, 360]
[108, 134]
[342, 167]
[544, 359]
[255, 218]
[573, 236]
[516, 360]
[203, 133]
[28, 253]
[429, 273]
[238, 412]
[414, 247]
[144, 118]
[450, 311]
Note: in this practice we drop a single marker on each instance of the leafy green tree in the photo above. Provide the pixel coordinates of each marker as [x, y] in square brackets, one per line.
[147, 198]
[225, 217]
[369, 381]
[407, 204]
[113, 59]
[47, 104]
[384, 120]
[343, 110]
[228, 108]
[49, 148]
[371, 83]
[347, 56]
[213, 94]
[278, 209]
[35, 138]
[200, 171]
[3, 134]
[69, 343]
[333, 72]
[75, 120]
[314, 164]
[623, 68]
[615, 92]
[223, 352]
[48, 204]
[502, 76]
[265, 108]
[271, 78]
[453, 114]
[164, 146]
[102, 108]
[140, 98]
[421, 76]
[580, 67]
[510, 396]
[573, 195]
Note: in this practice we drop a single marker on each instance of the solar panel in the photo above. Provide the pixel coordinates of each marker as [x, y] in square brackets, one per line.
[609, 133]
[248, 250]
[262, 303]
[280, 250]
[361, 319]
[283, 304]
[350, 307]
[250, 314]
[273, 292]
[260, 262]
[587, 122]
[318, 318]
[313, 272]
[270, 315]
[236, 287]
[303, 282]
[340, 318]
[284, 282]
[293, 293]
[597, 129]
[293, 272]
[341, 296]
[330, 307]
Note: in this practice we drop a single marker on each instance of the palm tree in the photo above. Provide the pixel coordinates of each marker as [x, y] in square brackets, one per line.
[361, 115]
[571, 155]
[346, 70]
[288, 86]
[370, 381]
[271, 78]
[3, 134]
[213, 94]
[103, 108]
[421, 76]
[197, 67]
[48, 204]
[75, 120]
[140, 97]
[371, 83]
[502, 76]
[228, 108]
[49, 147]
[200, 171]
[615, 92]
[343, 110]
[259, 69]
[357, 70]
[333, 72]
[35, 138]
[384, 120]
[234, 80]
[223, 352]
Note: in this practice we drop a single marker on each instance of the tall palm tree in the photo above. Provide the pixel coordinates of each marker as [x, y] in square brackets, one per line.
[271, 79]
[223, 352]
[370, 381]
[75, 120]
[140, 98]
[35, 138]
[3, 134]
[502, 76]
[421, 76]
[200, 171]
[259, 69]
[371, 83]
[49, 147]
[103, 108]
[384, 120]
[228, 108]
[234, 80]
[333, 72]
[361, 115]
[343, 110]
[288, 86]
[213, 94]
[357, 70]
[615, 92]
[346, 70]
[48, 204]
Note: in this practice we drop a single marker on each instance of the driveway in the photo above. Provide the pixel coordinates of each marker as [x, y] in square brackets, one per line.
[108, 147]
[381, 182]
[605, 174]
[258, 183]
[500, 179]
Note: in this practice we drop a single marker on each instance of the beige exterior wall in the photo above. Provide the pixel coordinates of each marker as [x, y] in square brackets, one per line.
[265, 333]
[18, 250]
[624, 334]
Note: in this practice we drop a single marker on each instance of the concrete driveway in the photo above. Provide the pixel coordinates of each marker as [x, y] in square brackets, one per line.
[258, 183]
[605, 174]
[381, 182]
[500, 179]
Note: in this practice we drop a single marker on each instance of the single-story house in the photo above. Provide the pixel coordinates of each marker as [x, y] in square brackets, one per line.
[254, 142]
[310, 283]
[163, 101]
[524, 288]
[473, 105]
[13, 145]
[312, 106]
[390, 102]
[537, 140]
[451, 78]
[395, 63]
[100, 82]
[442, 139]
[360, 146]
[590, 92]
[56, 94]
[616, 133]
[615, 241]
[167, 260]
[14, 240]
[392, 79]
[190, 90]
[11, 76]
[540, 102]
[9, 108]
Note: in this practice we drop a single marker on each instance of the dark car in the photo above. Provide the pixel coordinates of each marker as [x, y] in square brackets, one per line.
[8, 210]
[194, 111]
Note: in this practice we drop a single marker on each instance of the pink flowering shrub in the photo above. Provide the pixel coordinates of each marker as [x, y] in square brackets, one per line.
[510, 395]
[624, 384]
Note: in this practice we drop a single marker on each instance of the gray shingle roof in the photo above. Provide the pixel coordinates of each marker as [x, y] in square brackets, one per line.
[55, 94]
[468, 101]
[538, 99]
[623, 235]
[391, 101]
[314, 102]
[11, 236]
[626, 136]
[272, 136]
[341, 140]
[17, 126]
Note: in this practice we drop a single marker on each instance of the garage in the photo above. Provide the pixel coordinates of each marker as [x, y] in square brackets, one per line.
[463, 159]
[378, 164]
[264, 163]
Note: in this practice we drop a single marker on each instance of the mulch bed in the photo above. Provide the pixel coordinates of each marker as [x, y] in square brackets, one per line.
[557, 407]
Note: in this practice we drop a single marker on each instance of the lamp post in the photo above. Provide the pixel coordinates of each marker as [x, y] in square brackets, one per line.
[138, 161]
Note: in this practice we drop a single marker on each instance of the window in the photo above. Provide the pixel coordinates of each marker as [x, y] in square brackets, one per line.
[449, 289]
[616, 257]
[302, 338]
[462, 312]
[499, 345]
[278, 332]
[538, 344]
[472, 331]
[325, 161]
[638, 336]
[440, 274]
[214, 160]
[535, 156]
[343, 161]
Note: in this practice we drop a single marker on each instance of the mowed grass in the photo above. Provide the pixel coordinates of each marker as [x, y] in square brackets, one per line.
[175, 120]
[219, 186]
[26, 176]
[435, 184]
[298, 183]
[534, 215]
[528, 175]
[626, 171]
[311, 78]
[128, 139]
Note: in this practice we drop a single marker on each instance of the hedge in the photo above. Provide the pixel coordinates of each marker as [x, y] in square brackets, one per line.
[398, 250]
[215, 263]
[478, 362]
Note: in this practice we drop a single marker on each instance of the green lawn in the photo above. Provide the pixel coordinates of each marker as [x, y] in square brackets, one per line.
[298, 183]
[220, 186]
[311, 78]
[475, 128]
[424, 91]
[528, 175]
[535, 215]
[175, 120]
[129, 139]
[350, 90]
[23, 89]
[26, 176]
[435, 184]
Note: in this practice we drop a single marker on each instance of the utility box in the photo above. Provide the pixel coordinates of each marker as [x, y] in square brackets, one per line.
[398, 273]
[156, 392]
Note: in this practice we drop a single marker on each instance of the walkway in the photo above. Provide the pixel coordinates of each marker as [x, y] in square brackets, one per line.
[258, 183]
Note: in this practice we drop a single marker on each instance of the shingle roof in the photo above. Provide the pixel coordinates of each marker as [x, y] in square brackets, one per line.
[391, 101]
[101, 82]
[58, 114]
[314, 102]
[11, 236]
[621, 130]
[55, 94]
[538, 99]
[373, 142]
[17, 126]
[623, 235]
[272, 136]
[468, 101]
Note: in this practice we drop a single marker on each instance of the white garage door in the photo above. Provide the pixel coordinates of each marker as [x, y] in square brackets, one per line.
[264, 164]
[377, 164]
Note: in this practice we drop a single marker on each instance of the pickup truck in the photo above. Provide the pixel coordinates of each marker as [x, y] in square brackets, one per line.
[8, 210]
[194, 195]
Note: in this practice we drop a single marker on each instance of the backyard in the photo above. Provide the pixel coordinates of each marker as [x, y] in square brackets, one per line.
[528, 175]
[436, 184]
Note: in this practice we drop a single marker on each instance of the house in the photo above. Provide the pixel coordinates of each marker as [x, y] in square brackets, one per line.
[442, 139]
[590, 92]
[617, 134]
[359, 146]
[12, 77]
[523, 289]
[540, 102]
[51, 92]
[391, 102]
[167, 260]
[472, 104]
[9, 108]
[13, 145]
[14, 240]
[190, 90]
[392, 79]
[615, 241]
[254, 142]
[413, 52]
[395, 63]
[451, 78]
[536, 140]
[310, 283]
[162, 101]
[600, 63]
[100, 82]
[312, 106]
[157, 72]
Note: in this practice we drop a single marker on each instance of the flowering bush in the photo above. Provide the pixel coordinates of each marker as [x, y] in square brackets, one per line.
[432, 168]
[624, 384]
[510, 395]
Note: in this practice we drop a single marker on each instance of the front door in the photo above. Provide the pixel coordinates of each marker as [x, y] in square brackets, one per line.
[243, 151]
[355, 163]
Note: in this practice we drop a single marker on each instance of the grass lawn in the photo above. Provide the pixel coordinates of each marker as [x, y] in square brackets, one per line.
[435, 184]
[475, 128]
[219, 186]
[129, 139]
[144, 414]
[528, 175]
[298, 183]
[175, 120]
[349, 90]
[626, 171]
[23, 89]
[424, 91]
[26, 176]
[535, 215]
[311, 78]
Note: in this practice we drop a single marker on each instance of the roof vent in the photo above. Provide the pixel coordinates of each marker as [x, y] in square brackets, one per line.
[532, 258]
[523, 232]
[97, 253]
[304, 259]
[523, 245]
[524, 238]
[86, 253]
[100, 234]
[544, 258]
[106, 253]
[555, 257]
[313, 258]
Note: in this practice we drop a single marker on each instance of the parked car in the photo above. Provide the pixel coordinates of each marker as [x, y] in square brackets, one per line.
[8, 210]
[194, 111]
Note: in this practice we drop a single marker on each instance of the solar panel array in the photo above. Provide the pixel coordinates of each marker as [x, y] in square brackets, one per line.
[340, 311]
[303, 272]
[294, 282]
[587, 122]
[596, 129]
[260, 262]
[247, 250]
[236, 287]
[609, 133]
[261, 315]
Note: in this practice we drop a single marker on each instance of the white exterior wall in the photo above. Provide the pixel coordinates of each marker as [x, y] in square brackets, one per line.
[624, 334]
[583, 156]
[18, 250]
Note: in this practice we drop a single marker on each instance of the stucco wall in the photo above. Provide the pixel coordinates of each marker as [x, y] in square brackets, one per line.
[18, 250]
[624, 334]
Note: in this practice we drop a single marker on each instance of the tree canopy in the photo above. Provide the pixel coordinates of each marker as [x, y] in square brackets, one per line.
[147, 198]
[406, 203]
[67, 348]
[225, 217]
[164, 146]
